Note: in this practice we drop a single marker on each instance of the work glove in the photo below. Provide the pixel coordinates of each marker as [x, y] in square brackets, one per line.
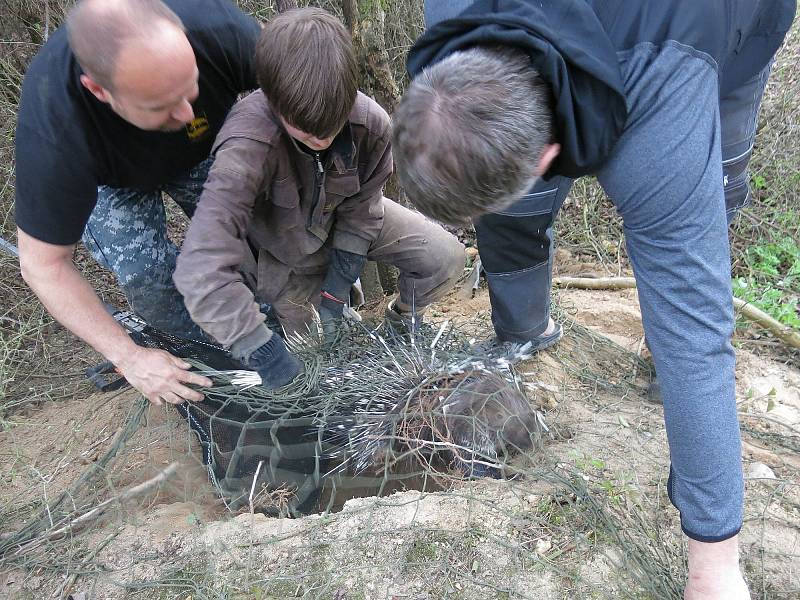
[274, 363]
[345, 267]
[331, 312]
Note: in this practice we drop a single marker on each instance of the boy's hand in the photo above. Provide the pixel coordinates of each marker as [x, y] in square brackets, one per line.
[274, 363]
[331, 313]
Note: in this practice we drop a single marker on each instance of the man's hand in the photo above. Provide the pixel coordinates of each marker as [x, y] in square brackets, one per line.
[160, 376]
[48, 269]
[714, 572]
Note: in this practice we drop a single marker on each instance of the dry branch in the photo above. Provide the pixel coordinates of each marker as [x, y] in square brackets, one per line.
[81, 521]
[595, 283]
[786, 334]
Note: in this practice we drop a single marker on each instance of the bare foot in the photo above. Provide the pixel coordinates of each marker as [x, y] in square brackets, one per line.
[714, 572]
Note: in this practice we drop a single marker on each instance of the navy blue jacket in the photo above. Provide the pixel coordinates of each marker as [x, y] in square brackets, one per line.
[573, 44]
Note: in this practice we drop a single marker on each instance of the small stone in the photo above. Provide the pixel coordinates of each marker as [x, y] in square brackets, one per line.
[472, 252]
[543, 546]
[548, 402]
[758, 470]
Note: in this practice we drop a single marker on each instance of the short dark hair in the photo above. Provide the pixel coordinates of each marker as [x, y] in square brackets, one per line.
[99, 29]
[469, 132]
[307, 68]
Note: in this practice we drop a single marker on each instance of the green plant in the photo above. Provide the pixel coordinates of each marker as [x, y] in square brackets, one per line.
[772, 279]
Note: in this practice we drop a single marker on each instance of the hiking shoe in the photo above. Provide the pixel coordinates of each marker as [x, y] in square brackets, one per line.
[515, 352]
[401, 323]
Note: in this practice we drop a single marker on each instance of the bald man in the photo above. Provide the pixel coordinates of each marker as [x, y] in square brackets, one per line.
[118, 107]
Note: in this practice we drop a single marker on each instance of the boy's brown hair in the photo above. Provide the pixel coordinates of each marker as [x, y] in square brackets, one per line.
[307, 68]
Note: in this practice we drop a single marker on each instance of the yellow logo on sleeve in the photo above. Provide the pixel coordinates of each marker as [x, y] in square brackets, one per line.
[197, 127]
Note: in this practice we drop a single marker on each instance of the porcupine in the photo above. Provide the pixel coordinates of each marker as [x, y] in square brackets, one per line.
[450, 410]
[466, 415]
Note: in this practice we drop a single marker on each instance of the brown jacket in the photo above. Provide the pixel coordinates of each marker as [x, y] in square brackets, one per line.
[264, 193]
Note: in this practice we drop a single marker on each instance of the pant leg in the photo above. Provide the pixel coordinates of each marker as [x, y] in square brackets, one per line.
[429, 258]
[739, 117]
[291, 293]
[127, 233]
[516, 247]
[186, 189]
[665, 177]
[294, 306]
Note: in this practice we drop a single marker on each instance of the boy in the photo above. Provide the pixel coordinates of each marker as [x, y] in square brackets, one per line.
[298, 181]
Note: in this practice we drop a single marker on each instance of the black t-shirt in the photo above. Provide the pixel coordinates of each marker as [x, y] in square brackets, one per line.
[68, 142]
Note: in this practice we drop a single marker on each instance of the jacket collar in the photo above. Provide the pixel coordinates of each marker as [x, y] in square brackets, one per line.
[341, 151]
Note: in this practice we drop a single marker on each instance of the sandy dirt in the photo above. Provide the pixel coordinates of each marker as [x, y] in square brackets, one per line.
[463, 543]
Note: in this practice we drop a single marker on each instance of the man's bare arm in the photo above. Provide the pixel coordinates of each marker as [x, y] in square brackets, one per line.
[49, 271]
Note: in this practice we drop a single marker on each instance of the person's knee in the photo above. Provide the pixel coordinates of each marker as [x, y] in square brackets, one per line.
[455, 259]
[158, 302]
[445, 262]
[138, 265]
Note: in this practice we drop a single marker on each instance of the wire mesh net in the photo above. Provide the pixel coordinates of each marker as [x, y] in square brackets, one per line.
[406, 467]
[379, 407]
[104, 496]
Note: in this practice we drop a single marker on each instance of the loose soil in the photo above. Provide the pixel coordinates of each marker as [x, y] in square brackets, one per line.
[452, 544]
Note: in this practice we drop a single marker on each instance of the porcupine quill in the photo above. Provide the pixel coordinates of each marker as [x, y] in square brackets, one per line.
[434, 401]
[470, 414]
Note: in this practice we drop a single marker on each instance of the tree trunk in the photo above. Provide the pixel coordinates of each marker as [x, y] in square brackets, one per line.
[368, 31]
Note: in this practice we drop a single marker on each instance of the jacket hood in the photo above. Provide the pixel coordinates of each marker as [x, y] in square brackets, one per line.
[571, 51]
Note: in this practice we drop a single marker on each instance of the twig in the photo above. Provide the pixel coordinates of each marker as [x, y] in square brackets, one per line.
[771, 420]
[252, 515]
[253, 487]
[80, 521]
[595, 283]
[786, 334]
[70, 581]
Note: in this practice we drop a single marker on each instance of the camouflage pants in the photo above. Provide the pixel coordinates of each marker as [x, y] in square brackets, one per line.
[127, 233]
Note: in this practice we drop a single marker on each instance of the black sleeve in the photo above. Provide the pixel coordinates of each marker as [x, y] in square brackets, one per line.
[55, 191]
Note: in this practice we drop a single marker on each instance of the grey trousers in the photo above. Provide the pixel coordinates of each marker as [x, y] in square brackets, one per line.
[677, 177]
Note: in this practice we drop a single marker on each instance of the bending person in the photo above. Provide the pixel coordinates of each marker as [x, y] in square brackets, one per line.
[659, 101]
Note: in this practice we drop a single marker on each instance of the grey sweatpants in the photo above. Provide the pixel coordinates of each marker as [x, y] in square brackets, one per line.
[677, 176]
